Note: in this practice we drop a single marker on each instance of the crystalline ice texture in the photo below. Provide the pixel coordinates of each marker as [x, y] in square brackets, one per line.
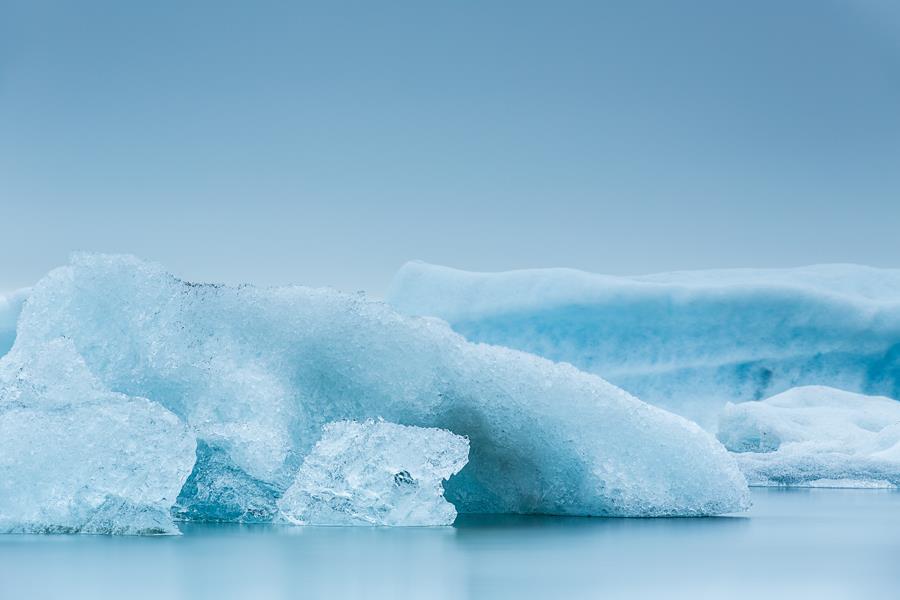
[376, 473]
[75, 457]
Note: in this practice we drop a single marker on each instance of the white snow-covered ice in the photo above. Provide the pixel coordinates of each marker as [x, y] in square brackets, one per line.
[687, 341]
[376, 473]
[77, 458]
[255, 373]
[816, 436]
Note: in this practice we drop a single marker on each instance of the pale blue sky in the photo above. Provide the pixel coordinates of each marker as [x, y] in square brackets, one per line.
[327, 143]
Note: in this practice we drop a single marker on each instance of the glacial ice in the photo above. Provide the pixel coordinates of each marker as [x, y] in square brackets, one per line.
[815, 436]
[256, 372]
[77, 458]
[687, 341]
[376, 473]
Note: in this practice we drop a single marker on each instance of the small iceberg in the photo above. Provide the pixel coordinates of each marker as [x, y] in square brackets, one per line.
[376, 473]
[815, 436]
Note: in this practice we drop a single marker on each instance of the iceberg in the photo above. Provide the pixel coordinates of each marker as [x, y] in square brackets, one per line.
[76, 458]
[815, 436]
[687, 341]
[257, 372]
[376, 473]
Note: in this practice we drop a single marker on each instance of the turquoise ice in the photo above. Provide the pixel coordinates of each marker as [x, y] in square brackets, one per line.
[687, 341]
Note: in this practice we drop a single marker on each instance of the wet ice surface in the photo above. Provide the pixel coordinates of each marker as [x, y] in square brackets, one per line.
[815, 543]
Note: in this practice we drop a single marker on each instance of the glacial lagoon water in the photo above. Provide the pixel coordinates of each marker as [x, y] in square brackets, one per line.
[801, 543]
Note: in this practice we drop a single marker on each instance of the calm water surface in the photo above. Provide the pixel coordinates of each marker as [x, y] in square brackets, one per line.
[816, 544]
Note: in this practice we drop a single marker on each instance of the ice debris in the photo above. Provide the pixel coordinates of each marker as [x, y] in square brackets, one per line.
[376, 473]
[816, 436]
[76, 458]
[687, 341]
[256, 373]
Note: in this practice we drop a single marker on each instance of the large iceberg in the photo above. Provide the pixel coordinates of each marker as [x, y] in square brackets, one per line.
[77, 458]
[257, 372]
[816, 436]
[688, 341]
[376, 473]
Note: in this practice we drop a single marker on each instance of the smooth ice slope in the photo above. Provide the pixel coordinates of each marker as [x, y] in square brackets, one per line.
[376, 473]
[10, 307]
[815, 435]
[76, 458]
[258, 372]
[686, 341]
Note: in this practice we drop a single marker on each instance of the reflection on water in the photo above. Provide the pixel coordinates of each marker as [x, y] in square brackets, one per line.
[808, 543]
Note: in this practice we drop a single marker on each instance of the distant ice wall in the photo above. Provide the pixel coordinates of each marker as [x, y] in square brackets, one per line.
[10, 307]
[687, 341]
